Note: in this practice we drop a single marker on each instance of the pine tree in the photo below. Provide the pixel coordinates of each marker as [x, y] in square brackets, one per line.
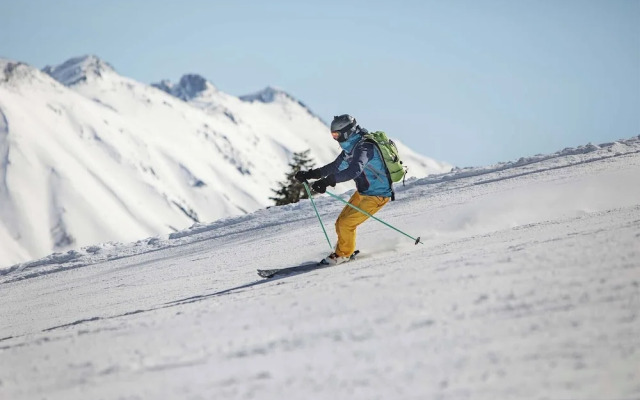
[291, 191]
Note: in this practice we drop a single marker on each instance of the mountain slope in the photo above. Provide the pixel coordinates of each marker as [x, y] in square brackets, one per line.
[102, 157]
[527, 287]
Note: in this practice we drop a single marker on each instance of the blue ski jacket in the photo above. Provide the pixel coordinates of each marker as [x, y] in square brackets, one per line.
[361, 161]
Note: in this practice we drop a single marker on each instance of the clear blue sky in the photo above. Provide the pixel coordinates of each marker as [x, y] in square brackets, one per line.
[469, 82]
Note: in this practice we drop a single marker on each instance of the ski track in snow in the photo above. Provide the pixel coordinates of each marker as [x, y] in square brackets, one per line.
[528, 287]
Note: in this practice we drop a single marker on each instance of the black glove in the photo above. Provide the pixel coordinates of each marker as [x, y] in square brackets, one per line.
[320, 186]
[303, 176]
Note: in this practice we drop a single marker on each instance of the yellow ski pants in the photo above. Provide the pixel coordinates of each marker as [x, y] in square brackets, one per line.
[350, 218]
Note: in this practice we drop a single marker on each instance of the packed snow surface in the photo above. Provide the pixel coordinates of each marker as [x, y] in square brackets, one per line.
[527, 286]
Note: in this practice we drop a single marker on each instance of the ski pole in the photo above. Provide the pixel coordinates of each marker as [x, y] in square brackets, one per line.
[417, 240]
[306, 186]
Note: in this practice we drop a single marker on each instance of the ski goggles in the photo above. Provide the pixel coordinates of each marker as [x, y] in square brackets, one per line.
[340, 133]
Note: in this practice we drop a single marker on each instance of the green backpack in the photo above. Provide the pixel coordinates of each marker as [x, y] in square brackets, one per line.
[395, 170]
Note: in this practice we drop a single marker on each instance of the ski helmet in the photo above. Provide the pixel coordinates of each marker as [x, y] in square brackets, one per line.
[342, 127]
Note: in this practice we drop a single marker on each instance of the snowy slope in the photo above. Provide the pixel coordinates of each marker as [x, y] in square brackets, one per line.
[527, 287]
[282, 117]
[88, 156]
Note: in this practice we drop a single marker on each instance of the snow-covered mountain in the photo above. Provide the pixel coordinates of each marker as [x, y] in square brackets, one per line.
[189, 87]
[527, 287]
[88, 155]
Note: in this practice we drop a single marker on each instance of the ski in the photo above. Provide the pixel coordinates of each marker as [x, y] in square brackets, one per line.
[306, 267]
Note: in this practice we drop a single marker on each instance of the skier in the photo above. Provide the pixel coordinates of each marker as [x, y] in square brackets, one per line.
[361, 161]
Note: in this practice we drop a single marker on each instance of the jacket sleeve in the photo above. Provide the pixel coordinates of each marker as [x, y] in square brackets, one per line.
[362, 154]
[333, 166]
